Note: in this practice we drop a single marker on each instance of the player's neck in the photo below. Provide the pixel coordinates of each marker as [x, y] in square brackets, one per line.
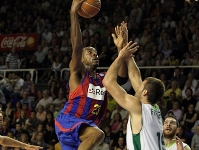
[92, 72]
[168, 141]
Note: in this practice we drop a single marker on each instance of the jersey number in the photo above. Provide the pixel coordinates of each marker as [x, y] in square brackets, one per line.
[160, 141]
[96, 109]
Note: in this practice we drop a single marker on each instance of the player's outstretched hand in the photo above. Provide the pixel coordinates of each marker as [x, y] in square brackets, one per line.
[128, 51]
[33, 147]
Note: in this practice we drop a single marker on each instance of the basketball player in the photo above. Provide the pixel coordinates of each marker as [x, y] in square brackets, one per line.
[6, 141]
[76, 124]
[144, 128]
[173, 142]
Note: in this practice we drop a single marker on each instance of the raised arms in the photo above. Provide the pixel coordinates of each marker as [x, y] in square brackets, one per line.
[110, 80]
[134, 74]
[76, 66]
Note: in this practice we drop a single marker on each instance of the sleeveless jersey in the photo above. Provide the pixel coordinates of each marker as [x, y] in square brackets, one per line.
[151, 133]
[173, 146]
[89, 100]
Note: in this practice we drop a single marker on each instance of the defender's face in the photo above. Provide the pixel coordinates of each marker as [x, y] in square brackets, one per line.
[140, 89]
[170, 127]
[90, 57]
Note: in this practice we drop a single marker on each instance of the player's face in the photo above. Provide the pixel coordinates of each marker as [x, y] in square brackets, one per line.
[170, 127]
[140, 89]
[90, 57]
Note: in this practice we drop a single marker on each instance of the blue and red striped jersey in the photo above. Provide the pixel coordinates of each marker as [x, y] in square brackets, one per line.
[89, 100]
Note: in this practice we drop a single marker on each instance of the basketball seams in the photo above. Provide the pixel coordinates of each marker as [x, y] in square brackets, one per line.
[86, 12]
[89, 8]
[91, 5]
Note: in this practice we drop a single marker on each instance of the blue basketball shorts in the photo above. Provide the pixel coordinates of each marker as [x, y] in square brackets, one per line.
[67, 130]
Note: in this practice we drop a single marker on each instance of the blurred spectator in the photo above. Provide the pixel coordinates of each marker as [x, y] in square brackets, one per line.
[189, 118]
[194, 128]
[122, 131]
[161, 61]
[183, 135]
[188, 100]
[25, 99]
[39, 140]
[176, 110]
[26, 109]
[174, 88]
[17, 87]
[163, 109]
[120, 110]
[36, 132]
[192, 80]
[7, 84]
[116, 123]
[40, 55]
[50, 135]
[47, 35]
[196, 63]
[5, 128]
[52, 110]
[194, 141]
[172, 98]
[49, 118]
[32, 122]
[172, 60]
[12, 59]
[187, 85]
[9, 113]
[27, 83]
[109, 136]
[46, 100]
[17, 110]
[121, 143]
[41, 113]
[179, 77]
[61, 99]
[112, 104]
[22, 119]
[24, 63]
[19, 131]
[34, 63]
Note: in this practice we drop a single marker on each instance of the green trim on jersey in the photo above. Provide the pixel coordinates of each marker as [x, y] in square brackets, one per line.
[168, 146]
[155, 107]
[136, 141]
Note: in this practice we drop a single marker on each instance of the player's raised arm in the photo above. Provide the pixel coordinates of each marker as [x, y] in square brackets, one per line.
[6, 141]
[120, 39]
[76, 38]
[110, 80]
[134, 74]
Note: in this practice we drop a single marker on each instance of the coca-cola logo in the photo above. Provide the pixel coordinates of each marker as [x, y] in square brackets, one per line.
[19, 41]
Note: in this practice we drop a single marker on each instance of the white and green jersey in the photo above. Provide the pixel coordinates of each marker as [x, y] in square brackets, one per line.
[151, 134]
[173, 146]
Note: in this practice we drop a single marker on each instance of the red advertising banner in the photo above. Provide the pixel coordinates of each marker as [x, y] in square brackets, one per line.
[20, 41]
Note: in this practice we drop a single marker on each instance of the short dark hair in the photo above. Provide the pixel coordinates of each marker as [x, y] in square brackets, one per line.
[174, 117]
[155, 89]
[189, 89]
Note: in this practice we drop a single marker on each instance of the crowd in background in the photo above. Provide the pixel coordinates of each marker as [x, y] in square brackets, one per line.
[166, 31]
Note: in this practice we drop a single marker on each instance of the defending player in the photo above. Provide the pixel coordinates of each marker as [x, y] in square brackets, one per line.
[144, 129]
[173, 142]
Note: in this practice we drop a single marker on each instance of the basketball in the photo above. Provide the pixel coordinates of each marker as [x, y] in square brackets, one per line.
[89, 8]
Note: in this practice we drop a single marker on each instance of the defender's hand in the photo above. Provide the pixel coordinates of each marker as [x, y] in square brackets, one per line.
[128, 51]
